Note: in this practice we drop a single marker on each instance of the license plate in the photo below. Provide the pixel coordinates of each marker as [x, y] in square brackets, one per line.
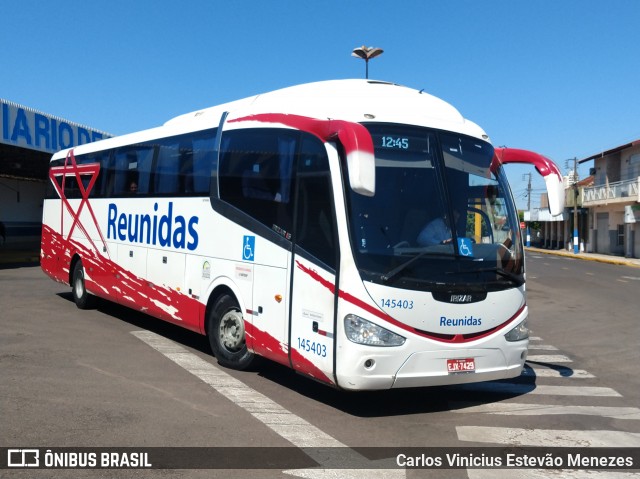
[467, 365]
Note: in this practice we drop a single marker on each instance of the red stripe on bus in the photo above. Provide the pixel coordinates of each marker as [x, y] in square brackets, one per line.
[453, 338]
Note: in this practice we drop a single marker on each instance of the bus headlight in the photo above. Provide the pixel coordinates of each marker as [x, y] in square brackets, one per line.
[361, 331]
[520, 332]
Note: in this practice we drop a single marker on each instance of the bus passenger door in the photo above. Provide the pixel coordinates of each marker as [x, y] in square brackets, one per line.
[314, 266]
[268, 316]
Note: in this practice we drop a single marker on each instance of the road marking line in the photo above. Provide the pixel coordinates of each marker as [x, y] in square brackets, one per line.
[547, 437]
[547, 473]
[521, 409]
[535, 338]
[517, 388]
[285, 423]
[543, 347]
[549, 358]
[294, 429]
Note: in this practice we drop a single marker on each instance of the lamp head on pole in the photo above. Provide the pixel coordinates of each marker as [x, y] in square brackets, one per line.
[366, 53]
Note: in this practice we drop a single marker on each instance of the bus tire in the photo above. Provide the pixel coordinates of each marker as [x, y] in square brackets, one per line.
[82, 298]
[227, 335]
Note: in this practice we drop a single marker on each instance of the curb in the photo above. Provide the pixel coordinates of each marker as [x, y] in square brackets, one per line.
[587, 257]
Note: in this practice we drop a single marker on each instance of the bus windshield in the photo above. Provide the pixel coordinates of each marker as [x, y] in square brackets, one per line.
[441, 217]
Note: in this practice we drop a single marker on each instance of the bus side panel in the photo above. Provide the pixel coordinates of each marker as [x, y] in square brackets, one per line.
[269, 315]
[132, 289]
[167, 269]
[101, 276]
[51, 248]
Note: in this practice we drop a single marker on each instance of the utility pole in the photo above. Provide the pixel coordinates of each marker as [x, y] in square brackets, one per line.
[528, 208]
[528, 191]
[576, 247]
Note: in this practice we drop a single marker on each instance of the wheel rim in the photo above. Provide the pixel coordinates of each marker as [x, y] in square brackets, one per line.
[231, 331]
[79, 284]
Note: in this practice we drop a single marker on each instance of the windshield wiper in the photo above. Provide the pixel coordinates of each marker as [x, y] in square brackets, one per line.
[517, 279]
[394, 272]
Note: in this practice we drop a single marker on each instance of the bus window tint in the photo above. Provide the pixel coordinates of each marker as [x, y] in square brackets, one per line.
[132, 170]
[315, 221]
[174, 166]
[256, 173]
[202, 157]
[167, 168]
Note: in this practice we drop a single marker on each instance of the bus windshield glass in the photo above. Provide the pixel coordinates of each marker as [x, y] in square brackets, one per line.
[442, 217]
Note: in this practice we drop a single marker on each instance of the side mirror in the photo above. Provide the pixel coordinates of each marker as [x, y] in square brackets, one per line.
[361, 162]
[547, 168]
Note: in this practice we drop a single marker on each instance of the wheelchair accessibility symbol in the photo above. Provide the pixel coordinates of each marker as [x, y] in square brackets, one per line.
[249, 245]
[465, 246]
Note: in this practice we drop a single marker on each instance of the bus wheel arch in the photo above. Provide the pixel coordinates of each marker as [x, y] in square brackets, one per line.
[225, 330]
[82, 298]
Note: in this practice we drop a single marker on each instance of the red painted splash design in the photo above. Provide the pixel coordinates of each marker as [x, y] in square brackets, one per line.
[266, 345]
[159, 301]
[457, 338]
[353, 136]
[545, 166]
[107, 279]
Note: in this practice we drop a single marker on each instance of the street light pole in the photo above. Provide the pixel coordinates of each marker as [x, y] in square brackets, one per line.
[366, 53]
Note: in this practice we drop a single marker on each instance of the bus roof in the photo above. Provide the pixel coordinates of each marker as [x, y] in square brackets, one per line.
[351, 100]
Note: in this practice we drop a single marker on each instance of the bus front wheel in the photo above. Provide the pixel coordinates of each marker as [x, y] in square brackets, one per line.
[82, 298]
[227, 334]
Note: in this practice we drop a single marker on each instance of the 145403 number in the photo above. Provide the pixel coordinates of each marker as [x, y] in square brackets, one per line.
[308, 345]
[397, 303]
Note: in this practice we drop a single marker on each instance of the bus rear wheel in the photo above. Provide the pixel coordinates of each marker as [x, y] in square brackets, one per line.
[82, 298]
[227, 335]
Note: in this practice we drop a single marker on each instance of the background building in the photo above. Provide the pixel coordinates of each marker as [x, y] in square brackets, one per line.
[28, 138]
[607, 207]
[614, 201]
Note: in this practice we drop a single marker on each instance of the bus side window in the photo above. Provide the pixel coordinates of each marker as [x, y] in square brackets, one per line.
[100, 189]
[185, 176]
[203, 162]
[167, 168]
[255, 174]
[315, 221]
[145, 164]
[132, 170]
[121, 172]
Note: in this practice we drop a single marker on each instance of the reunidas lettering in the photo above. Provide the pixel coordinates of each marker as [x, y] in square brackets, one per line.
[164, 230]
[466, 321]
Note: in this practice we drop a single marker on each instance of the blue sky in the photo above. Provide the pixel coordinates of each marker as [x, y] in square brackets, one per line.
[560, 77]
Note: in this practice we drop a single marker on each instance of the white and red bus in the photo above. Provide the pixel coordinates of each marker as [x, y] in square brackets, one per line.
[291, 225]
